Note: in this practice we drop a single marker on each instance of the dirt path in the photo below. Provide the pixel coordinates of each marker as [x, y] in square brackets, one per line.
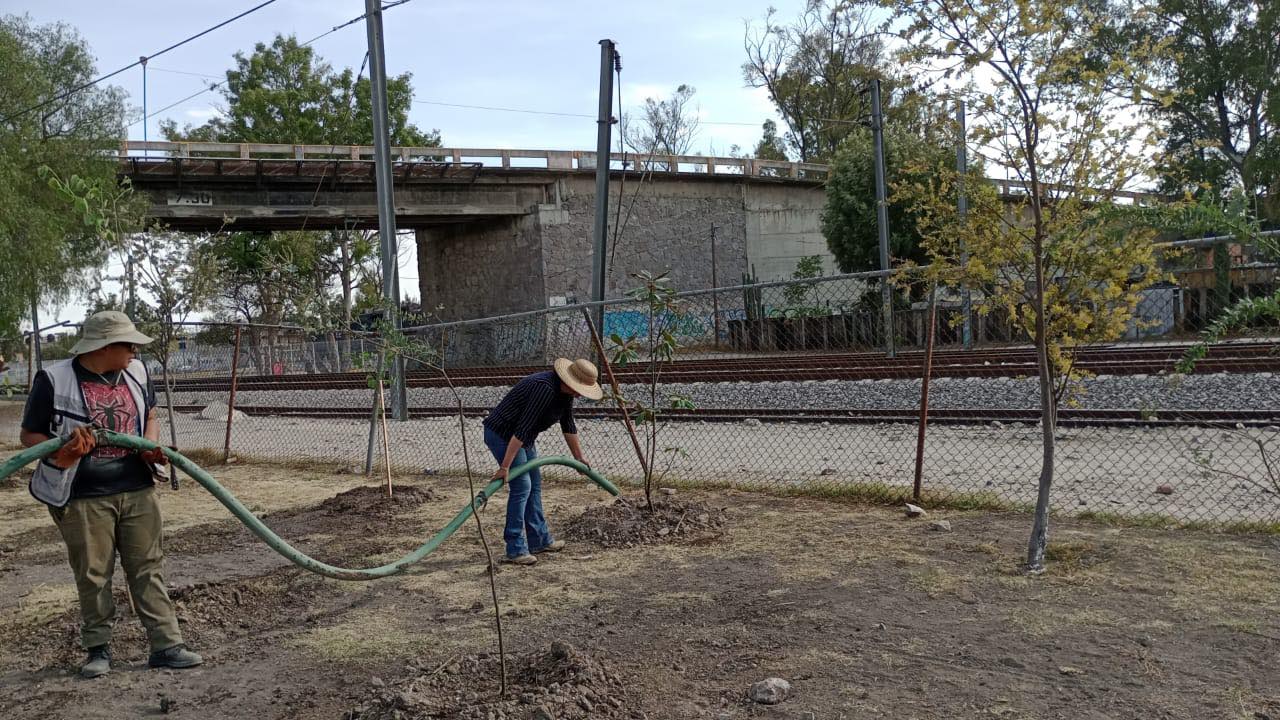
[865, 614]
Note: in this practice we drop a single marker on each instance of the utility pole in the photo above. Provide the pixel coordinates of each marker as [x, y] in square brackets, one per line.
[386, 198]
[145, 152]
[882, 216]
[604, 126]
[715, 283]
[962, 207]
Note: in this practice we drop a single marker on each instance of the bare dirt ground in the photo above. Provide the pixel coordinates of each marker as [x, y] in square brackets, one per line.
[865, 613]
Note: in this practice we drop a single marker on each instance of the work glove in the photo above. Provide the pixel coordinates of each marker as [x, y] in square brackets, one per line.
[79, 443]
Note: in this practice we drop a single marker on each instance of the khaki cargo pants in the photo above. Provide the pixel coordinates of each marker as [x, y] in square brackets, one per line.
[95, 529]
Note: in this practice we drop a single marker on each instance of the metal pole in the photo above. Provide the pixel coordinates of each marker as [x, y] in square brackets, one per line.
[962, 207]
[386, 198]
[715, 283]
[37, 357]
[882, 216]
[231, 401]
[143, 60]
[604, 126]
[924, 391]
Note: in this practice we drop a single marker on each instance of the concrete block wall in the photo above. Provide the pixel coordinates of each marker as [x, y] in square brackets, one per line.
[543, 259]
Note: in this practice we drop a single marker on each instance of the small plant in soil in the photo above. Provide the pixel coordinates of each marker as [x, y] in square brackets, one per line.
[657, 346]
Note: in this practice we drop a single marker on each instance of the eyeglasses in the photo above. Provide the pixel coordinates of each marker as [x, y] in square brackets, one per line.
[132, 348]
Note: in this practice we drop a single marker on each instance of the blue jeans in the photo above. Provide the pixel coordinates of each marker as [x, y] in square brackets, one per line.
[526, 528]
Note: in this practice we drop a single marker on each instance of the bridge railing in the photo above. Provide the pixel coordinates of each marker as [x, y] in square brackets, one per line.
[508, 158]
[495, 157]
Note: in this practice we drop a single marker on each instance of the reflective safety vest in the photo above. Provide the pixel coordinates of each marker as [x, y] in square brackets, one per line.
[50, 484]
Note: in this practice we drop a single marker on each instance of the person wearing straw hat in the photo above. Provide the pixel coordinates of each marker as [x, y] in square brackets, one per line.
[510, 431]
[103, 498]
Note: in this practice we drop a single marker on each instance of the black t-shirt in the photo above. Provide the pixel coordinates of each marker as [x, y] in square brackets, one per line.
[106, 470]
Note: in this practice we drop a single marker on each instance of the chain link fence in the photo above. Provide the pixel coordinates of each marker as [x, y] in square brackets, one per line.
[794, 386]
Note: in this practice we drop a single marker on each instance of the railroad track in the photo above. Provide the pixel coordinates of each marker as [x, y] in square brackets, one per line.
[1011, 362]
[949, 416]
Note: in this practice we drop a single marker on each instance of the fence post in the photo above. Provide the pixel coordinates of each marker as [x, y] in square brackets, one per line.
[231, 400]
[924, 392]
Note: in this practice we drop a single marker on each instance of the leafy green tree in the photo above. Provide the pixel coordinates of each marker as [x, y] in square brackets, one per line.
[849, 220]
[1214, 87]
[49, 252]
[816, 71]
[1061, 259]
[285, 93]
[770, 147]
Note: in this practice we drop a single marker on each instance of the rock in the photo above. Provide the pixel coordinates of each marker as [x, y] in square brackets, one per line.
[219, 411]
[808, 715]
[542, 713]
[915, 511]
[1165, 489]
[377, 682]
[1068, 670]
[668, 491]
[561, 650]
[585, 704]
[167, 705]
[997, 424]
[827, 471]
[940, 525]
[751, 422]
[770, 692]
[1239, 426]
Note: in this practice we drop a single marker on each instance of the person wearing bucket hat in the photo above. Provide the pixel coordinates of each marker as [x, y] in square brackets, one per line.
[102, 499]
[510, 431]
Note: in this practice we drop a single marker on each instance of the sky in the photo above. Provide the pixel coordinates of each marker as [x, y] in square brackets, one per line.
[531, 55]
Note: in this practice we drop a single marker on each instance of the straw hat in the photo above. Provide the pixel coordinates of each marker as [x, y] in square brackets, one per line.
[105, 328]
[581, 375]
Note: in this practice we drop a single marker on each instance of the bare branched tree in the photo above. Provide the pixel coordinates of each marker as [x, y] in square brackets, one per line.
[665, 127]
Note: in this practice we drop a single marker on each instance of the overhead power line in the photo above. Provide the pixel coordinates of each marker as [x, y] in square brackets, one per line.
[220, 83]
[528, 111]
[134, 64]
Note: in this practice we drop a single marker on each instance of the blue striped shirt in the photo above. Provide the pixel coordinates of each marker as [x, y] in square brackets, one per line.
[533, 405]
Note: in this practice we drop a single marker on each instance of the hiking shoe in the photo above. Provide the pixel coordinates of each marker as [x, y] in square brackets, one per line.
[177, 656]
[525, 559]
[555, 546]
[98, 663]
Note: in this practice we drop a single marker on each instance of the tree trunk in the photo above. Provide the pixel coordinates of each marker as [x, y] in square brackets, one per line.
[1048, 412]
[1048, 423]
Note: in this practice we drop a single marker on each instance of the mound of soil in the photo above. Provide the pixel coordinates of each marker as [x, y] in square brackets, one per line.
[560, 684]
[628, 522]
[372, 501]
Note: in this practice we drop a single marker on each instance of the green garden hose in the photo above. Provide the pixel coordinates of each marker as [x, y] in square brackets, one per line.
[251, 521]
